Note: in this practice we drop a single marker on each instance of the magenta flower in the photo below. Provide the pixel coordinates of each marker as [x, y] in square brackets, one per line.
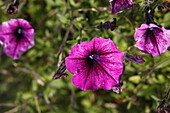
[152, 39]
[96, 64]
[120, 5]
[17, 36]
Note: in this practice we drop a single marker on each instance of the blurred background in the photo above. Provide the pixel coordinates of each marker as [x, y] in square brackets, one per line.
[26, 85]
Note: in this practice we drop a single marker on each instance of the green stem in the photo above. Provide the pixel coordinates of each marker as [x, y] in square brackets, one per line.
[153, 68]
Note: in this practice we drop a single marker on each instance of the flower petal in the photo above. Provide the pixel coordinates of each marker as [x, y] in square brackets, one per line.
[17, 48]
[87, 79]
[77, 56]
[113, 66]
[25, 24]
[80, 50]
[103, 45]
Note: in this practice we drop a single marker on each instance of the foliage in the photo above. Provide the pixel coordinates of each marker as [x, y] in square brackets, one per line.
[26, 85]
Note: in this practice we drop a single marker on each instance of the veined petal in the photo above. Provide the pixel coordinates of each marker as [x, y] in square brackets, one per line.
[103, 45]
[87, 79]
[80, 50]
[109, 77]
[74, 65]
[17, 48]
[22, 22]
[5, 29]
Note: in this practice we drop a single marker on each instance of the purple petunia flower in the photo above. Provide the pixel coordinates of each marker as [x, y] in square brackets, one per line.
[17, 36]
[96, 64]
[120, 5]
[152, 39]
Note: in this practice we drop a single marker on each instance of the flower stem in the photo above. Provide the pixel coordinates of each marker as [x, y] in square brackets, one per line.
[153, 68]
[80, 34]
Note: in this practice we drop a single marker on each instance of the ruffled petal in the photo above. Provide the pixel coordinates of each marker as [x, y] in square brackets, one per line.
[6, 29]
[162, 42]
[87, 79]
[80, 50]
[74, 65]
[103, 45]
[25, 24]
[140, 32]
[109, 74]
[77, 56]
[113, 65]
[15, 48]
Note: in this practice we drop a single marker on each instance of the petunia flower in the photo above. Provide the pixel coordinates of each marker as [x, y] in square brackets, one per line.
[120, 5]
[97, 63]
[17, 36]
[152, 39]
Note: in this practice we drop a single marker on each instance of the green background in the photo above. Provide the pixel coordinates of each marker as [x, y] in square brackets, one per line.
[26, 85]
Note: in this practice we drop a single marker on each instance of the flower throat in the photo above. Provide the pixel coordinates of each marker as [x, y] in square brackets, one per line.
[19, 32]
[92, 58]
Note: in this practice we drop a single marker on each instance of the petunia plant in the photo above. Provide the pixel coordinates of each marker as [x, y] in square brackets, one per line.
[105, 51]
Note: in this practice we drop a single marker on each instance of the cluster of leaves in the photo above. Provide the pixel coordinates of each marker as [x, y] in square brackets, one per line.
[26, 84]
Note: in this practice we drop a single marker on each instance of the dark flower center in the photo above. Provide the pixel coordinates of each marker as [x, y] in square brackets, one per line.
[19, 32]
[92, 58]
[150, 31]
